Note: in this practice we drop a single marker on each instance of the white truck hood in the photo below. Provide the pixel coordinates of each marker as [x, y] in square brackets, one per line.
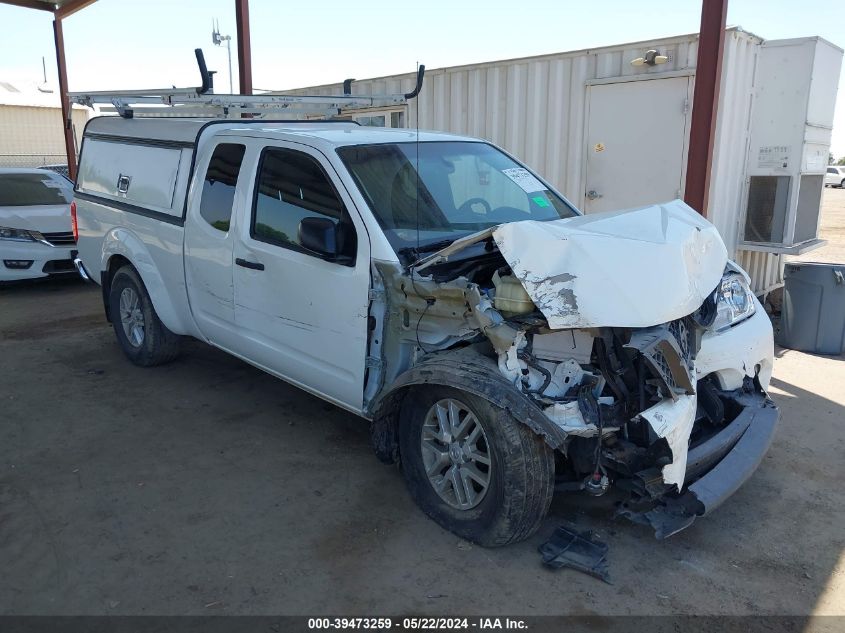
[634, 268]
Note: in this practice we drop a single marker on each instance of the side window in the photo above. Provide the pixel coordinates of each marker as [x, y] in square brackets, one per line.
[292, 186]
[218, 190]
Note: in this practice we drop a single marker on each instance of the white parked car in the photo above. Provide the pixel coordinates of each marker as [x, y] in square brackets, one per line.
[36, 235]
[501, 345]
[835, 177]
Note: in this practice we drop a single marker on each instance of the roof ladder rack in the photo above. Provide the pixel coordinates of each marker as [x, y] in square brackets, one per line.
[198, 102]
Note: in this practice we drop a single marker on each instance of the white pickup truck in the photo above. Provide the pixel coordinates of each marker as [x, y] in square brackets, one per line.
[502, 345]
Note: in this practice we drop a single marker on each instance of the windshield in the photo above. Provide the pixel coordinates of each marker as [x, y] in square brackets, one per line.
[452, 189]
[28, 189]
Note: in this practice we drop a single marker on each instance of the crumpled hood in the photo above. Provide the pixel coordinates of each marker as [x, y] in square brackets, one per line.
[635, 268]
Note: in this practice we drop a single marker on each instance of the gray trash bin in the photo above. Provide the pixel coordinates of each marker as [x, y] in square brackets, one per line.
[813, 314]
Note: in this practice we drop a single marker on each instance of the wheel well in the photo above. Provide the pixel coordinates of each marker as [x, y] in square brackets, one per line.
[461, 369]
[116, 262]
[384, 427]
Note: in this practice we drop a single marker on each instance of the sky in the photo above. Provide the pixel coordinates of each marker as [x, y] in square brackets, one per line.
[120, 44]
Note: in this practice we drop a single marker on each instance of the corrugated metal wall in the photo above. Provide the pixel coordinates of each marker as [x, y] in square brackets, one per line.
[728, 179]
[536, 109]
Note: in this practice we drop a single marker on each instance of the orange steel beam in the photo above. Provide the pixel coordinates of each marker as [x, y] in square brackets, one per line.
[244, 49]
[70, 147]
[705, 103]
[69, 8]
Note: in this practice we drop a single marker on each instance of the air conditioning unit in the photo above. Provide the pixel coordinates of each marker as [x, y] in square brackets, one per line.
[791, 122]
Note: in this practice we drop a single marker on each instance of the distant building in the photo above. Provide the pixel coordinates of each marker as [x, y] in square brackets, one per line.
[31, 127]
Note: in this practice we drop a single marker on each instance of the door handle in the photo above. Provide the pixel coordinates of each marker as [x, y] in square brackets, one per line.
[592, 194]
[250, 265]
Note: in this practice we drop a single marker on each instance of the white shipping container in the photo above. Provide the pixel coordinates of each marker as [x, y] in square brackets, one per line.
[606, 133]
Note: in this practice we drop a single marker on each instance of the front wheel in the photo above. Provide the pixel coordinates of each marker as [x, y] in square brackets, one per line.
[472, 467]
[143, 337]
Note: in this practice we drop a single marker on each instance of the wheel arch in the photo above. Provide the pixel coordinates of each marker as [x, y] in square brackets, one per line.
[122, 247]
[463, 369]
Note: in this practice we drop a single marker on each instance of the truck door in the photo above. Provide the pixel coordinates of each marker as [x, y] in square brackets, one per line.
[299, 314]
[209, 239]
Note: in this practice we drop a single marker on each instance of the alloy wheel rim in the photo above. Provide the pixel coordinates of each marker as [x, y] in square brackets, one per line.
[456, 454]
[132, 317]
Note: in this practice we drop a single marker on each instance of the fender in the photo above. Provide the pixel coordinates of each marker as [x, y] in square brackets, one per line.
[463, 369]
[169, 299]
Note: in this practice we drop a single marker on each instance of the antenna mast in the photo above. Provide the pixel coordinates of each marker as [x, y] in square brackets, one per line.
[218, 41]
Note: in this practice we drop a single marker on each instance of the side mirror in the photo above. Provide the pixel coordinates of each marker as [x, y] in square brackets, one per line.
[319, 235]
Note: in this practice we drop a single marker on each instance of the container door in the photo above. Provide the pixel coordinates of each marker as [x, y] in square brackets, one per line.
[636, 143]
[209, 238]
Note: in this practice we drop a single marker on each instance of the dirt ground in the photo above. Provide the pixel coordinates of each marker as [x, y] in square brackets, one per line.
[208, 487]
[831, 228]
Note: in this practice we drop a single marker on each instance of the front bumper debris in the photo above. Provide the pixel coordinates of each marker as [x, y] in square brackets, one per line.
[716, 468]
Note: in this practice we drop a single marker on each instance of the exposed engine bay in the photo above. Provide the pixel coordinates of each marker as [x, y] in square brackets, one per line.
[624, 396]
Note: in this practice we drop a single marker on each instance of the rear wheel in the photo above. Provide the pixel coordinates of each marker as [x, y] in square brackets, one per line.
[142, 336]
[842, 184]
[473, 468]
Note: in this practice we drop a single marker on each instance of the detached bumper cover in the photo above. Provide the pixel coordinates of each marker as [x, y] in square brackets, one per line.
[717, 468]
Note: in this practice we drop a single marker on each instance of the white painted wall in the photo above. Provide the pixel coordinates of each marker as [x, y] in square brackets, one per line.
[31, 136]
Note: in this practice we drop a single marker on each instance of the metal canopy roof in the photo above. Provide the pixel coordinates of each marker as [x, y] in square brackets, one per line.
[60, 8]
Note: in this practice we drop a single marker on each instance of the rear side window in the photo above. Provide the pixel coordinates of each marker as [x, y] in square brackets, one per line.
[292, 186]
[22, 190]
[218, 189]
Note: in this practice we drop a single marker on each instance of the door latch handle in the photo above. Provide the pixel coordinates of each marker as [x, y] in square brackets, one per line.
[250, 265]
[592, 194]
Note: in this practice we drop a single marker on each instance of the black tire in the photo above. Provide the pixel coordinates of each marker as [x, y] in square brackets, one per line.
[159, 345]
[522, 473]
[842, 184]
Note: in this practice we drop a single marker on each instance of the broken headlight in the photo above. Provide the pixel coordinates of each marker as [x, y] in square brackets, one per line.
[734, 302]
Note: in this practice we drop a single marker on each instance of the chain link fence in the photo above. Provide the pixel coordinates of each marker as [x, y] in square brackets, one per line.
[54, 162]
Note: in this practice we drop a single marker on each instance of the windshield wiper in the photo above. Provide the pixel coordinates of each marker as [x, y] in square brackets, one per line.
[426, 248]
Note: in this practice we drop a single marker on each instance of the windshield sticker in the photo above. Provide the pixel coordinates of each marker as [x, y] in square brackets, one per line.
[525, 179]
[540, 201]
[52, 184]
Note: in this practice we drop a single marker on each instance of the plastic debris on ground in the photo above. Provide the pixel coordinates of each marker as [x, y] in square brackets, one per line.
[576, 550]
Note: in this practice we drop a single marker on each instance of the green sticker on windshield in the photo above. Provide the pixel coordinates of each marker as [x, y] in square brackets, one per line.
[540, 201]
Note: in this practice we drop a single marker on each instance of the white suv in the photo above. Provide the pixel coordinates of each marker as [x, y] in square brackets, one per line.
[835, 177]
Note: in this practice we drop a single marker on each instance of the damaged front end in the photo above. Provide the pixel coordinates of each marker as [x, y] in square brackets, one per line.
[591, 331]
